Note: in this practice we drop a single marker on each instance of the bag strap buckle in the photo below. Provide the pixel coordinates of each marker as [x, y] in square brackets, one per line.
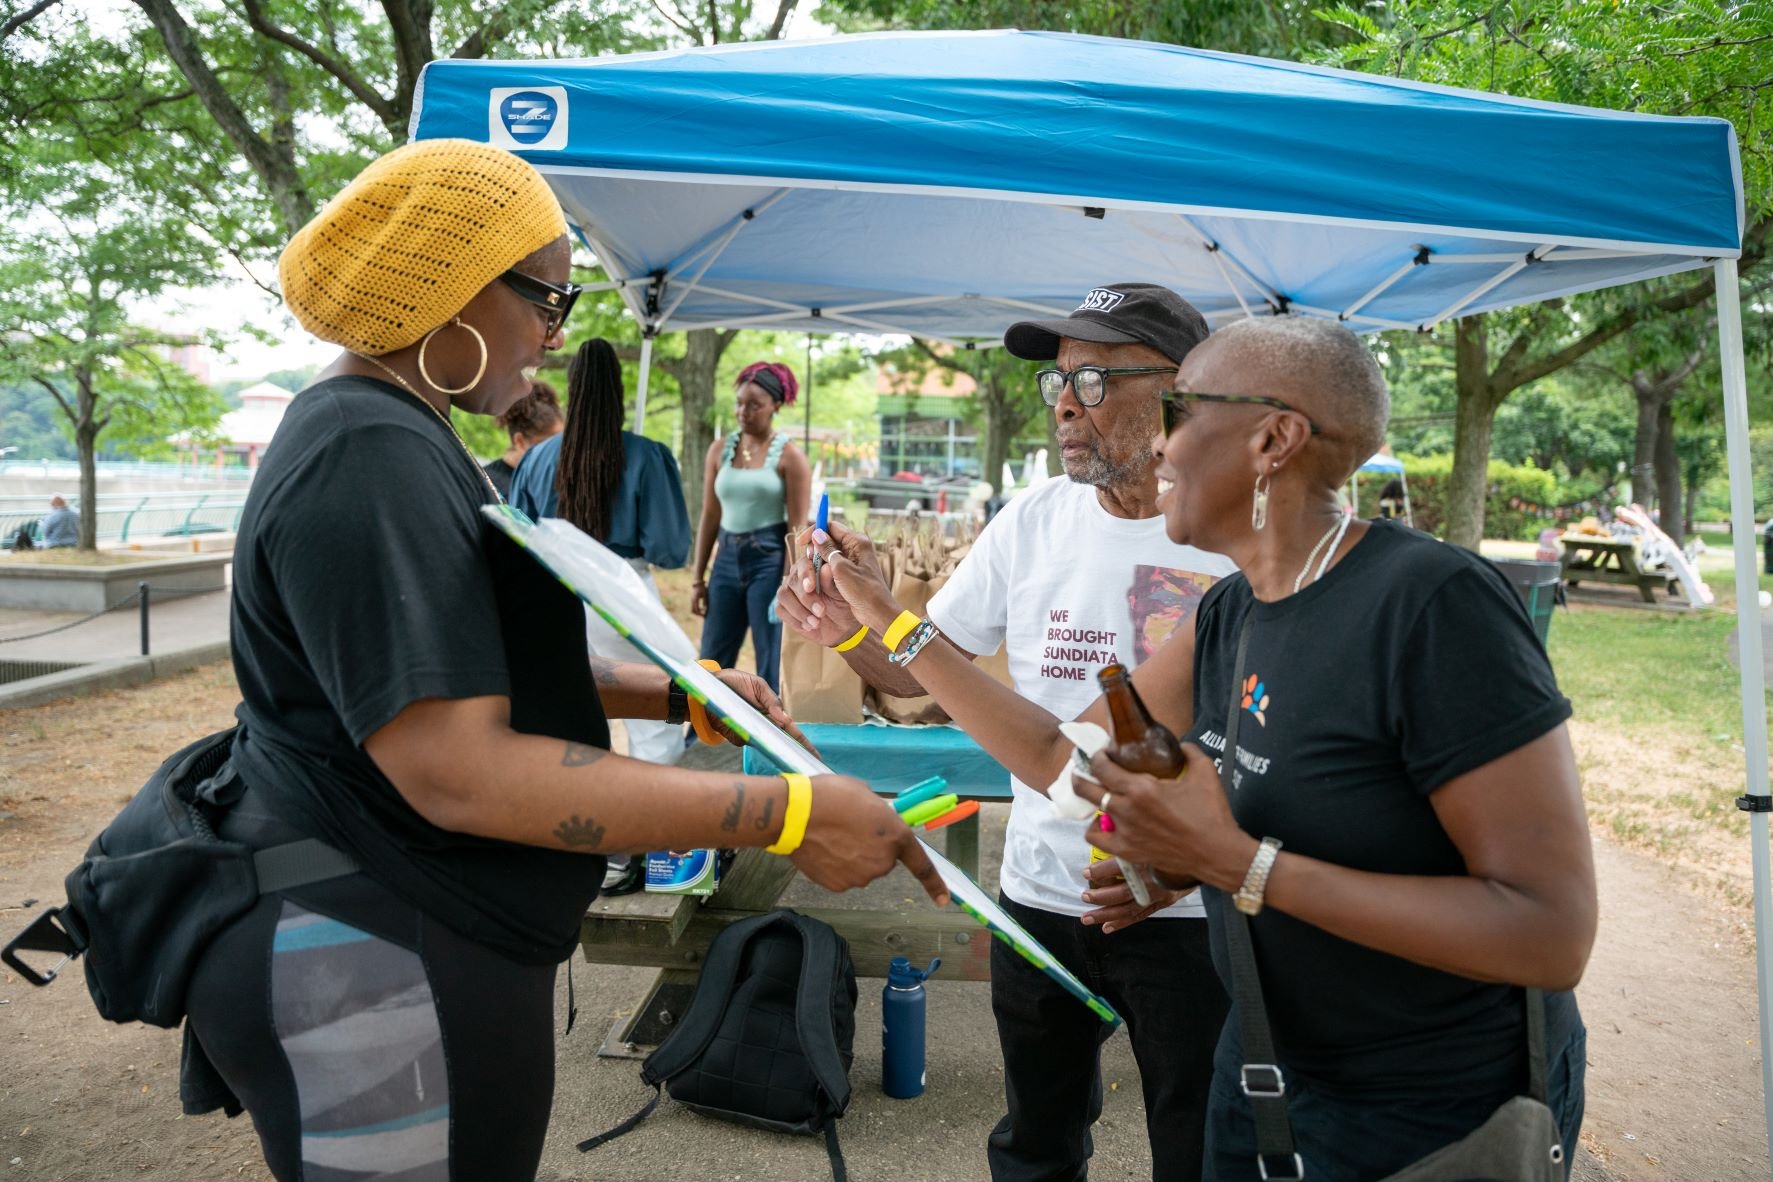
[1262, 1081]
[1297, 1175]
[50, 932]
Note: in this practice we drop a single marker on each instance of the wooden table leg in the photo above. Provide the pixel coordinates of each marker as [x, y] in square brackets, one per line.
[963, 845]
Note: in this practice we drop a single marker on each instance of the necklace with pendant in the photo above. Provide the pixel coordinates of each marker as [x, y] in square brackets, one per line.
[408, 387]
[745, 448]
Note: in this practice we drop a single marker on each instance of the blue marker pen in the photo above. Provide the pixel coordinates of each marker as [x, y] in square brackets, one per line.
[823, 523]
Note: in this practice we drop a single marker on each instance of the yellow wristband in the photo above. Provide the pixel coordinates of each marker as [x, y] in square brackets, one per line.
[852, 642]
[794, 817]
[901, 628]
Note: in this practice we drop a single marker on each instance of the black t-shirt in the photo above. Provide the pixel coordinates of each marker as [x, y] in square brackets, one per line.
[365, 579]
[500, 473]
[1409, 664]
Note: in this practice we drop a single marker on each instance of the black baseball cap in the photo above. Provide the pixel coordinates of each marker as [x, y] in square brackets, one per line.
[1118, 314]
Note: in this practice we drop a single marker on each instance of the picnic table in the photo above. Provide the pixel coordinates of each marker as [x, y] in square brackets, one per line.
[1609, 560]
[673, 932]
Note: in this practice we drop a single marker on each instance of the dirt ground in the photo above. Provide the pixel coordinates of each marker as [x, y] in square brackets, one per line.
[1674, 1084]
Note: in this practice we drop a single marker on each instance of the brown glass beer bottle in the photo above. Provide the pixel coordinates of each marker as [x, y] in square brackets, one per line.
[1141, 742]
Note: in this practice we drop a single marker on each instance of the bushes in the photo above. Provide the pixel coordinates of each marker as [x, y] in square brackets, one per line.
[1515, 490]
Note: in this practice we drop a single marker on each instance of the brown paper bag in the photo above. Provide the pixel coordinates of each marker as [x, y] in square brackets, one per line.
[921, 561]
[817, 685]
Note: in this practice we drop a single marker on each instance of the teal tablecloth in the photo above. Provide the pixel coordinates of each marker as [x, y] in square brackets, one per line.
[893, 758]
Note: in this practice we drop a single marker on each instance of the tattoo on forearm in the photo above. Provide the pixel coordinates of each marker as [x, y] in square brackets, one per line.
[580, 754]
[603, 670]
[577, 834]
[730, 822]
[762, 823]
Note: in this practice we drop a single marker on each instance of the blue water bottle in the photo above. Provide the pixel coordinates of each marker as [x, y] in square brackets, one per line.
[902, 1028]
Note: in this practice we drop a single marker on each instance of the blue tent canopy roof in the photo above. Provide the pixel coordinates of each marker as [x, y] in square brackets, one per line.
[1384, 463]
[951, 183]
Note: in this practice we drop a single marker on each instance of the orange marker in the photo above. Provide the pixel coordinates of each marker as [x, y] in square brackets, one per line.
[959, 812]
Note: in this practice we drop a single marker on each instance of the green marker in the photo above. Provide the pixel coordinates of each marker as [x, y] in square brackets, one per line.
[929, 810]
[918, 793]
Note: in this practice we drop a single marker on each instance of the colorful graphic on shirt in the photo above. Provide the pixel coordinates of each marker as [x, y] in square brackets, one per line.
[1160, 600]
[1256, 697]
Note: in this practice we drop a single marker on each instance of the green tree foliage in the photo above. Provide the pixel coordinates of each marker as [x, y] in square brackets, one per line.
[1667, 59]
[1277, 28]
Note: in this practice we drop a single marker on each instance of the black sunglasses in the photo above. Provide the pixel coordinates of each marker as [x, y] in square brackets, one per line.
[555, 300]
[1175, 400]
[1088, 382]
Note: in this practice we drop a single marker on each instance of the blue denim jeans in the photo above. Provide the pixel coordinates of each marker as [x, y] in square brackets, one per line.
[747, 571]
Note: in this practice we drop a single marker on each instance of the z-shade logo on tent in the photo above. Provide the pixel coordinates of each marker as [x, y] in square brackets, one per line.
[529, 118]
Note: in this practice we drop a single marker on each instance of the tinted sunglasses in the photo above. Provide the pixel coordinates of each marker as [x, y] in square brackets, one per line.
[1175, 403]
[554, 299]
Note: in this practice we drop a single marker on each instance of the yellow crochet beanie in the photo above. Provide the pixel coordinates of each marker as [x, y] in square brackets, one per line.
[410, 241]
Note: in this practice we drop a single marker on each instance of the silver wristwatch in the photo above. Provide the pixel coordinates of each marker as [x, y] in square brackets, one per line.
[1249, 896]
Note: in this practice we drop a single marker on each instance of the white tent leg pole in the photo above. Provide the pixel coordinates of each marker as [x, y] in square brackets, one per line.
[646, 369]
[1748, 644]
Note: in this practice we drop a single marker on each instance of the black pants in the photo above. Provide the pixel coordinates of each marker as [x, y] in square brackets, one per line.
[367, 1040]
[1159, 975]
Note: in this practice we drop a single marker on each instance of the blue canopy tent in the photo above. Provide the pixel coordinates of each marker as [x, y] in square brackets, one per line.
[946, 184]
[1381, 465]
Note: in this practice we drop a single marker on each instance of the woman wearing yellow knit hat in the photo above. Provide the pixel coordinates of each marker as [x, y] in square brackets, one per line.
[417, 696]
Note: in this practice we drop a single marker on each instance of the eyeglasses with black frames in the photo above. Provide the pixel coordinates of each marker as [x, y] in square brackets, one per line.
[1175, 406]
[555, 300]
[1088, 382]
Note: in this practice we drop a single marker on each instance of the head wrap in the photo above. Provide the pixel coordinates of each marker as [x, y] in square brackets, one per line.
[412, 239]
[773, 378]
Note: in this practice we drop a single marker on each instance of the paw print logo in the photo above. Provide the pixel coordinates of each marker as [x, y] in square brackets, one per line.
[1256, 697]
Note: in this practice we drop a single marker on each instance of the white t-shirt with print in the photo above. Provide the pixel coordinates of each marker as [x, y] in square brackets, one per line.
[1070, 588]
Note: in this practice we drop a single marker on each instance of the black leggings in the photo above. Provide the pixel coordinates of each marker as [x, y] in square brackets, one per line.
[368, 1040]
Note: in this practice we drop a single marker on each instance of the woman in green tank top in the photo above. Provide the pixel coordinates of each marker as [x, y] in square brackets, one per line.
[755, 489]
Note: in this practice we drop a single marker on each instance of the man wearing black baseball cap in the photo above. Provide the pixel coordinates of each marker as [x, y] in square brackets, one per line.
[1072, 575]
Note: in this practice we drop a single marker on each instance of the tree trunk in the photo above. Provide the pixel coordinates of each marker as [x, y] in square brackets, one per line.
[1468, 488]
[695, 372]
[86, 447]
[1668, 475]
[997, 435]
[1643, 455]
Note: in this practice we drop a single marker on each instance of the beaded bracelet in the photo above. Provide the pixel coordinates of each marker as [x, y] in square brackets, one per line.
[920, 636]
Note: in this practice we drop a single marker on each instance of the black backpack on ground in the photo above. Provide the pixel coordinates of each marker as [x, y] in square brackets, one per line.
[158, 884]
[769, 1034]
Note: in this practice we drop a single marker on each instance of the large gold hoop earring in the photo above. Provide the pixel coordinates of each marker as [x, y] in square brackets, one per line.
[1259, 503]
[478, 373]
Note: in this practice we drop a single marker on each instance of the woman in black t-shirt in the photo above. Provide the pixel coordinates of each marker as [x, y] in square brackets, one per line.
[417, 693]
[1406, 826]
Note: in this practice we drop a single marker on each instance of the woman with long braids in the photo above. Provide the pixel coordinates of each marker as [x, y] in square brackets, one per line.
[755, 489]
[416, 695]
[624, 490]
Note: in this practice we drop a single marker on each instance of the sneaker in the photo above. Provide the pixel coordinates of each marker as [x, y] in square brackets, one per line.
[624, 876]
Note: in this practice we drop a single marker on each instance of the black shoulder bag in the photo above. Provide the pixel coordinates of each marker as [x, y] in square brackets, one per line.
[1519, 1143]
[157, 884]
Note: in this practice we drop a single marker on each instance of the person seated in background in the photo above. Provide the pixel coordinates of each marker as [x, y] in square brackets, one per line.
[60, 526]
[530, 420]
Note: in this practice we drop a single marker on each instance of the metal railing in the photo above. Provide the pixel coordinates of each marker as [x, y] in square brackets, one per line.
[149, 515]
[69, 470]
[143, 596]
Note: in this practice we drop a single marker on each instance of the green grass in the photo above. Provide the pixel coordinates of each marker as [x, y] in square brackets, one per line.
[1647, 668]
